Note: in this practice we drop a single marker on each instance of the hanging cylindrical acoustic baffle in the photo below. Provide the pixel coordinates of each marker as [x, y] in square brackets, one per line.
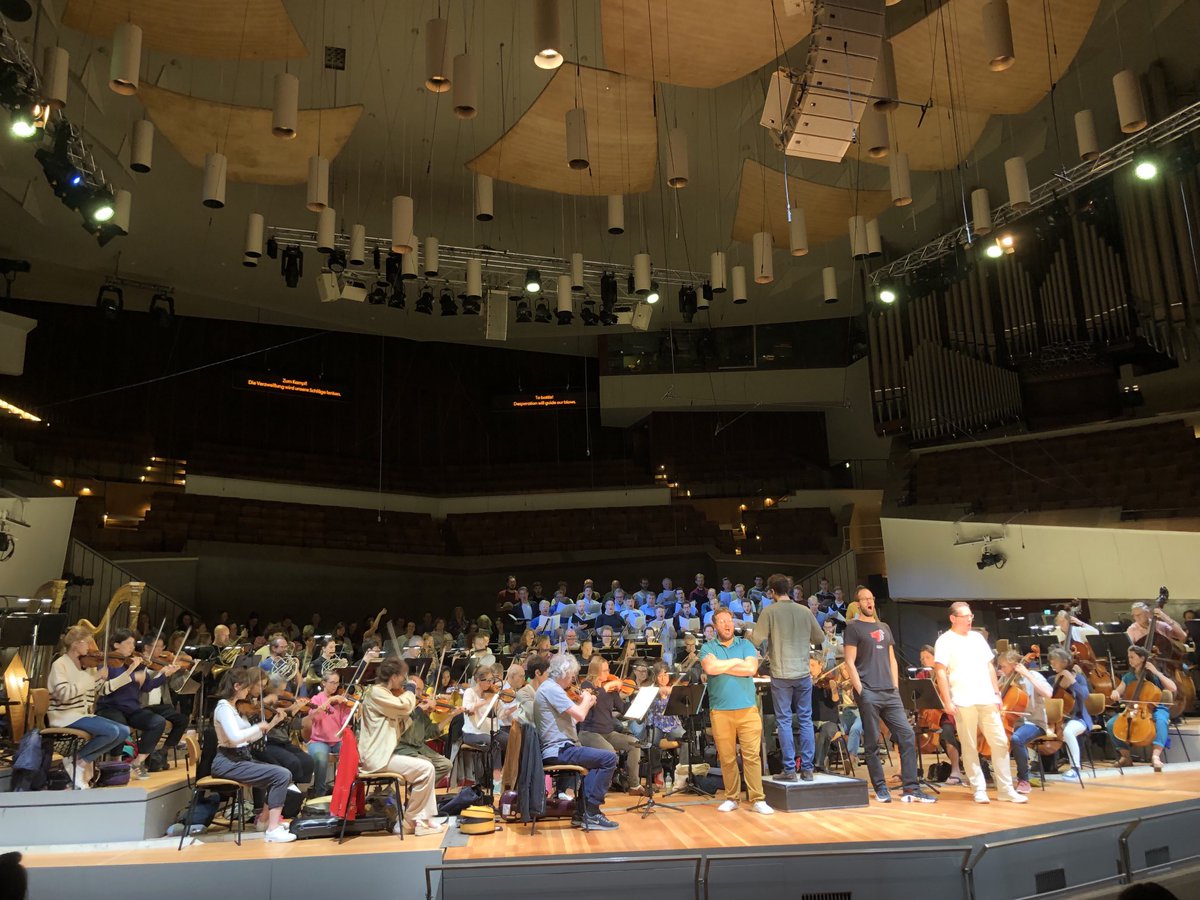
[716, 272]
[255, 225]
[981, 211]
[1131, 109]
[466, 94]
[122, 206]
[483, 197]
[874, 238]
[886, 96]
[764, 258]
[1018, 182]
[798, 232]
[829, 284]
[358, 245]
[126, 59]
[402, 224]
[56, 73]
[141, 146]
[285, 115]
[326, 230]
[900, 179]
[432, 260]
[474, 278]
[997, 35]
[873, 133]
[437, 79]
[546, 39]
[641, 273]
[214, 180]
[409, 262]
[577, 143]
[677, 158]
[703, 296]
[318, 183]
[616, 213]
[1085, 135]
[577, 271]
[564, 295]
[250, 262]
[738, 280]
[858, 237]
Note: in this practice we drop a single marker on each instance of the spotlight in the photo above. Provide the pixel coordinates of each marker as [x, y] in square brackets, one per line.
[533, 281]
[541, 313]
[396, 300]
[110, 300]
[61, 174]
[291, 266]
[379, 294]
[162, 310]
[524, 313]
[337, 261]
[1007, 242]
[425, 302]
[608, 298]
[564, 316]
[887, 294]
[470, 305]
[27, 118]
[687, 302]
[446, 299]
[994, 251]
[98, 206]
[1145, 164]
[589, 314]
[989, 559]
[652, 297]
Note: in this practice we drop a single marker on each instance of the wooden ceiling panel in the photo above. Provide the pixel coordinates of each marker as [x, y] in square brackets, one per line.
[195, 127]
[211, 29]
[939, 140]
[621, 129]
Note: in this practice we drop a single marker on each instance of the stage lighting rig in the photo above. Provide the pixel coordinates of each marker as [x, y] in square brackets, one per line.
[608, 298]
[291, 265]
[425, 301]
[396, 300]
[687, 302]
[541, 313]
[110, 300]
[162, 310]
[446, 300]
[588, 313]
[524, 313]
[990, 558]
[379, 294]
[470, 305]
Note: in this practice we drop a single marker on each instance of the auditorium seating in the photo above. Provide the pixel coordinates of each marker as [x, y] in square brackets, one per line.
[1151, 470]
[792, 531]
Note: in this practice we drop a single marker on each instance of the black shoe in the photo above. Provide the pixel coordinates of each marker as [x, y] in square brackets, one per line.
[883, 795]
[916, 795]
[600, 822]
[786, 776]
[806, 775]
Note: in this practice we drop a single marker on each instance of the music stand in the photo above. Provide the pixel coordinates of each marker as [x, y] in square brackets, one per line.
[686, 702]
[419, 665]
[639, 711]
[919, 695]
[1111, 646]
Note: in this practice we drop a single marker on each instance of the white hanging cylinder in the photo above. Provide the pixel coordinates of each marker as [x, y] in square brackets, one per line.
[285, 114]
[900, 179]
[250, 262]
[677, 158]
[326, 230]
[858, 237]
[474, 278]
[214, 180]
[616, 213]
[432, 257]
[318, 183]
[437, 79]
[126, 59]
[577, 142]
[546, 35]
[873, 133]
[56, 75]
[122, 207]
[798, 232]
[141, 146]
[255, 225]
[701, 298]
[829, 284]
[410, 263]
[716, 272]
[1131, 109]
[874, 238]
[997, 35]
[565, 303]
[641, 273]
[577, 271]
[483, 197]
[402, 224]
[764, 258]
[466, 93]
[358, 245]
[1017, 177]
[738, 283]
[1085, 135]
[884, 89]
[981, 211]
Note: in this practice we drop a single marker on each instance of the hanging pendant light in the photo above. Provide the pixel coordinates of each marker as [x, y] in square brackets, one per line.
[402, 224]
[716, 272]
[641, 274]
[474, 278]
[465, 91]
[483, 197]
[900, 179]
[358, 245]
[437, 79]
[122, 207]
[764, 262]
[798, 232]
[616, 213]
[997, 35]
[874, 238]
[410, 262]
[1131, 109]
[254, 235]
[286, 112]
[546, 35]
[677, 158]
[1085, 135]
[318, 183]
[981, 211]
[326, 228]
[738, 279]
[873, 133]
[577, 142]
[432, 254]
[829, 284]
[884, 89]
[1017, 177]
[577, 271]
[141, 146]
[858, 237]
[56, 74]
[214, 180]
[126, 59]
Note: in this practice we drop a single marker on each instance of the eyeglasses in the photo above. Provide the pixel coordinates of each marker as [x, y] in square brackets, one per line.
[966, 615]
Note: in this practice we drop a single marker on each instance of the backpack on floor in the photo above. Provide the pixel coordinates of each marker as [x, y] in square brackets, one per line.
[939, 772]
[114, 773]
[31, 767]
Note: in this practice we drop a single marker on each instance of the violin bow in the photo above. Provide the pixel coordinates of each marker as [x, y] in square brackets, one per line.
[154, 643]
[186, 635]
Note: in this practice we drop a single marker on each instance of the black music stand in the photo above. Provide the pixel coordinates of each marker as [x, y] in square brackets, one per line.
[687, 702]
[648, 804]
[419, 665]
[1110, 646]
[918, 695]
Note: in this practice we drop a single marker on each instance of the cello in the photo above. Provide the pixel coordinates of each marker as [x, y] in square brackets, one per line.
[1013, 700]
[1098, 674]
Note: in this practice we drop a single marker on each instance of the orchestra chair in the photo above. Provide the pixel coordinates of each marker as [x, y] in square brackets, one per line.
[1054, 715]
[380, 779]
[575, 774]
[233, 793]
[1096, 705]
[477, 763]
[1173, 728]
[67, 742]
[841, 744]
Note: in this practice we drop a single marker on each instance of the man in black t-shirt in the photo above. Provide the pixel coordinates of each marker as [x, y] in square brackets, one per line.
[871, 665]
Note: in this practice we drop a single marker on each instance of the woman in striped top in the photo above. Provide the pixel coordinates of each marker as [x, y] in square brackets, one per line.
[72, 701]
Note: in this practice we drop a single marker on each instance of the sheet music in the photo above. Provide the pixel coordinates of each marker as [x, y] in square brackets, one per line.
[640, 704]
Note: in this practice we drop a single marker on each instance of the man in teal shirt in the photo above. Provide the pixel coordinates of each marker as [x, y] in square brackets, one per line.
[731, 664]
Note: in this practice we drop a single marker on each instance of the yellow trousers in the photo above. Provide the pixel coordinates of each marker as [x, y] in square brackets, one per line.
[731, 727]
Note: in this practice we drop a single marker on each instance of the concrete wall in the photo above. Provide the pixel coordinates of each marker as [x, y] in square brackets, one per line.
[41, 548]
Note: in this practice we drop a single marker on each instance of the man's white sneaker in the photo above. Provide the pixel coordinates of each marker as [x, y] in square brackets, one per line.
[279, 835]
[727, 806]
[761, 807]
[982, 797]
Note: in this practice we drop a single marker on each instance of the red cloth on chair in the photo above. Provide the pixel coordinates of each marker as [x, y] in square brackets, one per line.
[347, 770]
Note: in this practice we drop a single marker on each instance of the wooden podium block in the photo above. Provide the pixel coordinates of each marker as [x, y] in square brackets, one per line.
[823, 792]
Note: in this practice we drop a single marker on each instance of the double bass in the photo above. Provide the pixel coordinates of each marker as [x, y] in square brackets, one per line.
[1099, 677]
[1135, 725]
[1168, 655]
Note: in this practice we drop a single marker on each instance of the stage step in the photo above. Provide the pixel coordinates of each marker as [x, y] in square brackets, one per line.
[823, 792]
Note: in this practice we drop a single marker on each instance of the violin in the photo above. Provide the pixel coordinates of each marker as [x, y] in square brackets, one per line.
[165, 659]
[507, 695]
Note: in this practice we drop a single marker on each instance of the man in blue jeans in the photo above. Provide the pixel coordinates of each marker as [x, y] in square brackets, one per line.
[555, 714]
[787, 632]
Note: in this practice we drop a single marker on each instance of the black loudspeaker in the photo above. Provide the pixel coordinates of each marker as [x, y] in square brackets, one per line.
[879, 586]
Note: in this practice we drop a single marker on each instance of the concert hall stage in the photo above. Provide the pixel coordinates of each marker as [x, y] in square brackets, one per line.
[1064, 838]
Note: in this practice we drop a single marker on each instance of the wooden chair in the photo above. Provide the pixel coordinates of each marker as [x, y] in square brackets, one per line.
[381, 778]
[1096, 705]
[67, 742]
[235, 805]
[1054, 715]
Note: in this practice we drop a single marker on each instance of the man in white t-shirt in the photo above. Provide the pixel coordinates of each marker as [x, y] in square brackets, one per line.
[970, 692]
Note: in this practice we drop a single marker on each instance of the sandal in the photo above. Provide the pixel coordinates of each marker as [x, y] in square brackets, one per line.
[953, 781]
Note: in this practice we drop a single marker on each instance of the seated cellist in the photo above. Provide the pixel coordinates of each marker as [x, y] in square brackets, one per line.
[1139, 659]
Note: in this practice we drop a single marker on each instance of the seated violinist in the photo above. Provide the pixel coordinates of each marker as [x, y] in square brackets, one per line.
[278, 749]
[422, 729]
[826, 717]
[1139, 661]
[480, 702]
[598, 729]
[160, 700]
[328, 713]
[1031, 723]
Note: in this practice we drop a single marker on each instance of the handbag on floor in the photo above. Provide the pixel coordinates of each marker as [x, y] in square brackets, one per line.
[113, 773]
